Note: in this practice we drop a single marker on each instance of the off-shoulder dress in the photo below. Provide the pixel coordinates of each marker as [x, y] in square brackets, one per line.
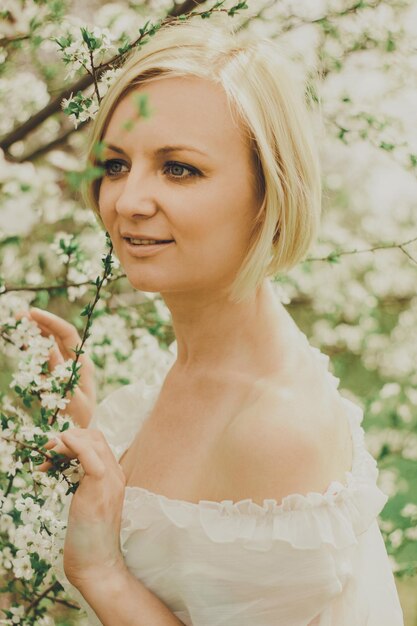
[311, 560]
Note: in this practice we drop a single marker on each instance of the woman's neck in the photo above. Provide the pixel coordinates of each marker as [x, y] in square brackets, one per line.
[214, 333]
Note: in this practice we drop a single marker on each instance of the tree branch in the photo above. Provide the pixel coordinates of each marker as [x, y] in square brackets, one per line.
[37, 599]
[329, 257]
[333, 255]
[51, 288]
[64, 602]
[33, 122]
[85, 81]
[55, 143]
[4, 41]
[88, 311]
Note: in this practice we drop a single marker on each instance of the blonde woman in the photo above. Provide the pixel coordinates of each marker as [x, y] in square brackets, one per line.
[239, 492]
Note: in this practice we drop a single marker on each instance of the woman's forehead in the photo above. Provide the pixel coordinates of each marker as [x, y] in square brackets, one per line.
[192, 110]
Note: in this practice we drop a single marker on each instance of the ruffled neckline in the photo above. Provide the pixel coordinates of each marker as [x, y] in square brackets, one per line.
[364, 468]
[335, 517]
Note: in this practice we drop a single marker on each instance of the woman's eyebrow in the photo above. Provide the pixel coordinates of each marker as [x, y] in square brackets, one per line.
[113, 148]
[163, 150]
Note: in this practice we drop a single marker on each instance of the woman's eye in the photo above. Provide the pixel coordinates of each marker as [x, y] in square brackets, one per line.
[113, 167]
[177, 170]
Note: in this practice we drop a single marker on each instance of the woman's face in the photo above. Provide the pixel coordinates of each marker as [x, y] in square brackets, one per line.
[184, 174]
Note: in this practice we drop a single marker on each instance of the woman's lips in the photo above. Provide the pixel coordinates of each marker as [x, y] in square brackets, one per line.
[143, 250]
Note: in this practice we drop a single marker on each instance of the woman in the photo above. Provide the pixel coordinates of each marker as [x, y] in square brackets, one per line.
[239, 491]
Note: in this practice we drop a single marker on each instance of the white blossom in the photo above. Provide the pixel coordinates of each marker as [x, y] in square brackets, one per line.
[409, 510]
[54, 401]
[369, 197]
[18, 612]
[21, 565]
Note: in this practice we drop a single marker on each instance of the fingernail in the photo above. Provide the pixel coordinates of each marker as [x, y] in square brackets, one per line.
[55, 441]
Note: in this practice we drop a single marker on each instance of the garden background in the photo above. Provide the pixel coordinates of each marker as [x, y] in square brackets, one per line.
[354, 297]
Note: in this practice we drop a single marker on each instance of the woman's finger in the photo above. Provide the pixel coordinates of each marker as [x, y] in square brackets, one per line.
[52, 442]
[64, 332]
[55, 358]
[55, 444]
[83, 446]
[88, 446]
[66, 337]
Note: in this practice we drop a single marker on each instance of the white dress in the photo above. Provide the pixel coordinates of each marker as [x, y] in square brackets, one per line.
[315, 559]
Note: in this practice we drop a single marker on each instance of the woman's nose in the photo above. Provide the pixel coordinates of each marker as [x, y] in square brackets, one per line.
[137, 196]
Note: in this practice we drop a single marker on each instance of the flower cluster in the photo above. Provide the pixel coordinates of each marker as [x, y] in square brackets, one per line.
[27, 101]
[362, 308]
[80, 108]
[83, 47]
[36, 189]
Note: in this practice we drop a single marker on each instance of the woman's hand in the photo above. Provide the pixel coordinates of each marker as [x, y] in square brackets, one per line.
[83, 402]
[92, 541]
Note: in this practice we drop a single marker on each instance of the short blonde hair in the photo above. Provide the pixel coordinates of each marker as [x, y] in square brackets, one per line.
[271, 108]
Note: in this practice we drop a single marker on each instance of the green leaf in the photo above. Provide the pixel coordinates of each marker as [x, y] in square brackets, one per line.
[389, 147]
[142, 104]
[98, 149]
[390, 45]
[27, 401]
[86, 36]
[341, 134]
[143, 29]
[13, 239]
[128, 125]
[125, 48]
[237, 7]
[76, 179]
[333, 257]
[42, 299]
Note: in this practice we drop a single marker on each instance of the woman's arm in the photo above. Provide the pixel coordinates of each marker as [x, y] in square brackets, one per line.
[92, 559]
[123, 600]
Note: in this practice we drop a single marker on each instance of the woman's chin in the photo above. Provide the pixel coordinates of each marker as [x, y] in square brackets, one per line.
[151, 286]
[142, 286]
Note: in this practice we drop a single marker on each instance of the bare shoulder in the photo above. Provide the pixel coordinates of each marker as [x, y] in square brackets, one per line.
[290, 440]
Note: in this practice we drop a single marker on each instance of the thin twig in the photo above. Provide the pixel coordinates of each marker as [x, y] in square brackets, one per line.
[27, 445]
[297, 22]
[94, 75]
[6, 338]
[37, 599]
[79, 350]
[381, 246]
[51, 288]
[10, 485]
[64, 602]
[4, 41]
[408, 254]
[55, 143]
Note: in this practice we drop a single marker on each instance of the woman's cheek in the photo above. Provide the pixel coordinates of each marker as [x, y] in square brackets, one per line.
[106, 213]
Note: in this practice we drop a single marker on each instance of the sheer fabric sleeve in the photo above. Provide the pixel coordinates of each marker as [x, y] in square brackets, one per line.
[122, 412]
[118, 416]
